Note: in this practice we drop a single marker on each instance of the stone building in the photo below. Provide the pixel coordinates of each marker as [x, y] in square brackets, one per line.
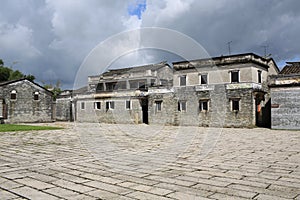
[121, 95]
[25, 101]
[227, 91]
[285, 92]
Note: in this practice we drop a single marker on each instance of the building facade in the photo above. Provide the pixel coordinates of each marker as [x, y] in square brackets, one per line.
[285, 92]
[227, 91]
[25, 101]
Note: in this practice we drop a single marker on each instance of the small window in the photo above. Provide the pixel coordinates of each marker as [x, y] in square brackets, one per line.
[128, 105]
[82, 105]
[203, 105]
[182, 106]
[235, 77]
[203, 79]
[36, 96]
[235, 105]
[121, 85]
[259, 76]
[158, 105]
[182, 80]
[110, 105]
[97, 105]
[100, 87]
[13, 95]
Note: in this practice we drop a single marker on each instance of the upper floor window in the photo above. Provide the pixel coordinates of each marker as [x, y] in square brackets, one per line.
[259, 76]
[121, 85]
[182, 106]
[182, 80]
[36, 96]
[13, 95]
[100, 87]
[128, 105]
[97, 105]
[82, 105]
[203, 79]
[158, 105]
[110, 86]
[110, 105]
[235, 76]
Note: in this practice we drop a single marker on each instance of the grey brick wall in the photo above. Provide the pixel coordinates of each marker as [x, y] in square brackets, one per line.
[285, 109]
[24, 108]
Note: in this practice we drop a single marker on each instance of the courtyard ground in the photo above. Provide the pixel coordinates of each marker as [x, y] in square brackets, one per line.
[103, 161]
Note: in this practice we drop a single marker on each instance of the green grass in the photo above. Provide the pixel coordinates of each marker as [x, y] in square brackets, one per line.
[19, 127]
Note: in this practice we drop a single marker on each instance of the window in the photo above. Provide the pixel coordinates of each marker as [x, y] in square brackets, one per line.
[203, 105]
[110, 86]
[13, 95]
[259, 76]
[235, 104]
[158, 105]
[36, 96]
[182, 80]
[100, 87]
[235, 77]
[128, 105]
[97, 105]
[82, 105]
[121, 85]
[203, 79]
[133, 84]
[110, 105]
[182, 106]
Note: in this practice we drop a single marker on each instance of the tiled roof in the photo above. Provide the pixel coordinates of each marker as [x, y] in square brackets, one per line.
[291, 68]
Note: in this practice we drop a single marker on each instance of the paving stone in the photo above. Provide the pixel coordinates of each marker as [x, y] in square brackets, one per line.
[5, 195]
[34, 183]
[62, 193]
[33, 194]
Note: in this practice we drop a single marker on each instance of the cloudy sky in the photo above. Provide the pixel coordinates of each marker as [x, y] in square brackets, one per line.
[51, 38]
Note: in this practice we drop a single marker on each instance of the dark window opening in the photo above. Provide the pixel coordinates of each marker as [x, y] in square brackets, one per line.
[82, 105]
[128, 104]
[110, 105]
[259, 76]
[182, 80]
[235, 105]
[235, 77]
[182, 106]
[110, 86]
[203, 78]
[13, 95]
[121, 85]
[100, 87]
[158, 105]
[97, 105]
[203, 105]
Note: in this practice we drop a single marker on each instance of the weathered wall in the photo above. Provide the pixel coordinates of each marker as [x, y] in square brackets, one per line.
[64, 109]
[285, 109]
[117, 115]
[24, 108]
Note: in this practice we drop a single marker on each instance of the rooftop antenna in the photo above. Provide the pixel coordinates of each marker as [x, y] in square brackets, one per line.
[229, 50]
[265, 49]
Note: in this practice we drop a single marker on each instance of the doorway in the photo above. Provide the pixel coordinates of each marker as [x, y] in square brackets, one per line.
[144, 103]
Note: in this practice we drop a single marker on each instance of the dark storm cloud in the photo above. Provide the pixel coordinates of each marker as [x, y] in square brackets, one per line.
[51, 38]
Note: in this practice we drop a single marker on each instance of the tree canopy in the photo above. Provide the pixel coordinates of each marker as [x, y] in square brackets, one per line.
[8, 74]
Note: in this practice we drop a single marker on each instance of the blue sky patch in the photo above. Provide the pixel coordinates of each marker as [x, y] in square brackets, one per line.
[137, 8]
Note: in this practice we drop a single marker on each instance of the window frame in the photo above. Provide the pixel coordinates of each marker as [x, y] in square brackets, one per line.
[36, 96]
[259, 76]
[13, 95]
[235, 102]
[180, 106]
[110, 105]
[126, 105]
[200, 79]
[201, 105]
[158, 105]
[185, 80]
[82, 105]
[238, 76]
[96, 106]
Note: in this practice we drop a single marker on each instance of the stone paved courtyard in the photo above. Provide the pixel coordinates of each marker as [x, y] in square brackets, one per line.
[92, 161]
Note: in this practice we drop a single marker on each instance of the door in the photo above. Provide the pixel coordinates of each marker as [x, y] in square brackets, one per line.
[144, 103]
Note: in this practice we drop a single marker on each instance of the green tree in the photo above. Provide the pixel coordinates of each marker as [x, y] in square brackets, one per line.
[7, 74]
[56, 89]
[4, 73]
